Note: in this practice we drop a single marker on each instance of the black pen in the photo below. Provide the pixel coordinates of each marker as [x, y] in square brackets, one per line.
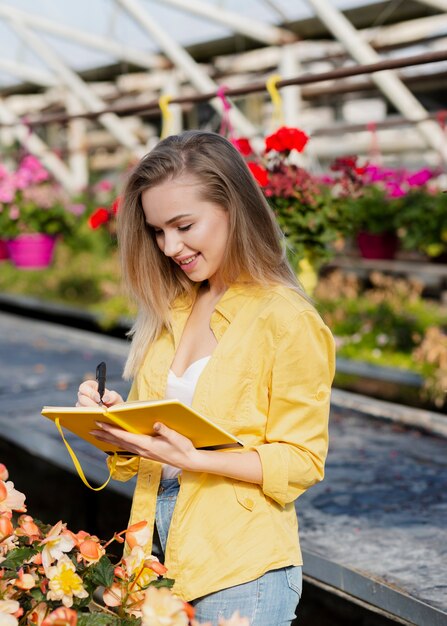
[101, 379]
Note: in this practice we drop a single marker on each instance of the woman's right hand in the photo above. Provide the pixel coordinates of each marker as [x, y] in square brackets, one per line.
[88, 395]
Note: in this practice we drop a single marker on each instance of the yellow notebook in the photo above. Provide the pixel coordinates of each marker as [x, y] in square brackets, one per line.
[139, 418]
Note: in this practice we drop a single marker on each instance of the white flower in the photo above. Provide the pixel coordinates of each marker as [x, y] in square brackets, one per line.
[162, 608]
[64, 583]
[55, 544]
[7, 610]
[10, 498]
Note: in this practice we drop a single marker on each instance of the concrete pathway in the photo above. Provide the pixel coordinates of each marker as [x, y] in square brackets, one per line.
[376, 528]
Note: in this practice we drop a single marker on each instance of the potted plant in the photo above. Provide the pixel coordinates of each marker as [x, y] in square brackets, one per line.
[300, 201]
[382, 207]
[34, 211]
[364, 198]
[422, 222]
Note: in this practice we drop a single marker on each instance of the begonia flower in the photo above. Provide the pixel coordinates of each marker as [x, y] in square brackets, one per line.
[91, 550]
[8, 611]
[61, 616]
[55, 544]
[162, 608]
[138, 534]
[4, 474]
[10, 498]
[6, 527]
[64, 583]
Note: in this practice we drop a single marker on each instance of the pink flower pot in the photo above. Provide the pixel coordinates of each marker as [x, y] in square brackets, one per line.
[4, 254]
[377, 246]
[33, 251]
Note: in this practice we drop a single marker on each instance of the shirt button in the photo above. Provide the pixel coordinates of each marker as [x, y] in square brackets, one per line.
[249, 503]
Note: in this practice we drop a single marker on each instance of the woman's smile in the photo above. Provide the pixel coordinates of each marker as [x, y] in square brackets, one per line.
[191, 231]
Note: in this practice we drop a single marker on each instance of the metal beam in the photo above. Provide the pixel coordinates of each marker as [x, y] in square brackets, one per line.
[31, 74]
[437, 4]
[78, 87]
[184, 61]
[251, 27]
[124, 52]
[31, 142]
[387, 81]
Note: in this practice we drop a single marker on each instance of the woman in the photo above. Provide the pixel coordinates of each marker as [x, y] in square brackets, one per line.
[223, 325]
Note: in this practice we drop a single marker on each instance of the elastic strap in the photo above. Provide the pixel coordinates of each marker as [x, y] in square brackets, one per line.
[77, 465]
[277, 116]
[166, 115]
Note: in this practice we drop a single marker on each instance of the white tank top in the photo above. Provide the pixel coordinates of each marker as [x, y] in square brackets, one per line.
[182, 388]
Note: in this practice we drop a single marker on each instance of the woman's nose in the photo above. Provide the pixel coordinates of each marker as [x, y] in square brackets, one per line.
[172, 244]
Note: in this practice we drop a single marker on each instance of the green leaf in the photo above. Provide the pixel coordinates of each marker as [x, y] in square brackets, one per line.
[101, 572]
[17, 557]
[37, 594]
[162, 582]
[98, 619]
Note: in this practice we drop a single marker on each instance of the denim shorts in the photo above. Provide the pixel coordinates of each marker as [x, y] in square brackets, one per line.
[270, 600]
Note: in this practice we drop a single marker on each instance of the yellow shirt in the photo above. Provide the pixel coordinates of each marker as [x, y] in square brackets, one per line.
[268, 382]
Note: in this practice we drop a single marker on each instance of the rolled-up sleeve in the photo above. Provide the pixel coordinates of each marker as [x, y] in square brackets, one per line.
[296, 445]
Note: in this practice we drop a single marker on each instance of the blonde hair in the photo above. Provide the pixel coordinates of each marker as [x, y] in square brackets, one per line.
[255, 246]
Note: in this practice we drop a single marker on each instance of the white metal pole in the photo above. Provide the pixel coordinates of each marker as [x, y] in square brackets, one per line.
[387, 81]
[36, 146]
[78, 87]
[289, 66]
[171, 88]
[77, 143]
[184, 61]
[32, 74]
[251, 27]
[124, 52]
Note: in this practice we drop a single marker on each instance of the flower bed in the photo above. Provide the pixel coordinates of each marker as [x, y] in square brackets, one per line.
[51, 576]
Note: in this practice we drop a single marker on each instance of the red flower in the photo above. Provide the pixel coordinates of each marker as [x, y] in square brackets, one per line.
[286, 139]
[259, 173]
[116, 205]
[243, 146]
[98, 218]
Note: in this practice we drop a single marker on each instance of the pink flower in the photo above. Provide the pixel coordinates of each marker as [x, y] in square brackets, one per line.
[14, 212]
[104, 185]
[420, 178]
[76, 209]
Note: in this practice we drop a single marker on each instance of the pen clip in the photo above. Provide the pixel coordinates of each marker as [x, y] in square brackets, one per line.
[101, 379]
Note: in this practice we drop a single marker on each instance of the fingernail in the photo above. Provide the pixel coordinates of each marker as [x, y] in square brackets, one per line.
[157, 426]
[98, 424]
[106, 398]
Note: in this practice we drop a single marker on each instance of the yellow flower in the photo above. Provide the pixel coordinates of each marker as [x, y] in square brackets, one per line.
[136, 565]
[64, 583]
[162, 608]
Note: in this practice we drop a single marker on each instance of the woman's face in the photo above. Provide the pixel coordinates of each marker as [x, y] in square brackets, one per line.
[191, 231]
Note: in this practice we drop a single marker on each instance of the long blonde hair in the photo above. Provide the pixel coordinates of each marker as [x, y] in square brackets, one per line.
[255, 246]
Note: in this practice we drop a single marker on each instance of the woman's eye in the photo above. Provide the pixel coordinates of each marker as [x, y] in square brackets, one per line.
[184, 228]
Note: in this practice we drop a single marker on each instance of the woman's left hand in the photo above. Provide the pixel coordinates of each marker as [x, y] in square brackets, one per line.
[165, 446]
